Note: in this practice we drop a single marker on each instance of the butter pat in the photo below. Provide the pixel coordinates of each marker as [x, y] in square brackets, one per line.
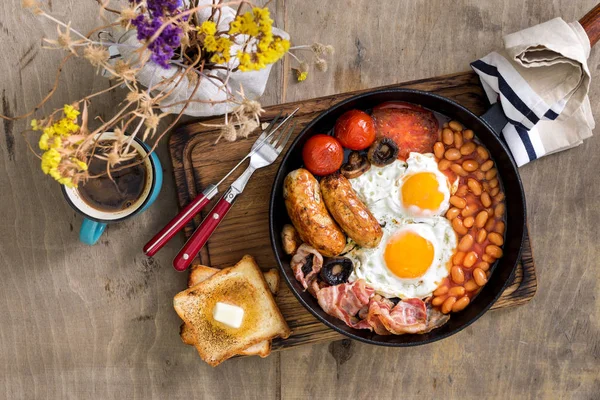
[228, 314]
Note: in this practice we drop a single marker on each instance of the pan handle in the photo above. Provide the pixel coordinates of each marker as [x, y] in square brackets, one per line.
[591, 24]
[495, 118]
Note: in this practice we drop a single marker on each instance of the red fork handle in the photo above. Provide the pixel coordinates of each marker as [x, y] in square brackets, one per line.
[192, 247]
[177, 223]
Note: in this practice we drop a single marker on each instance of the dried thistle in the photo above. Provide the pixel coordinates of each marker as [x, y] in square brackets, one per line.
[63, 41]
[96, 55]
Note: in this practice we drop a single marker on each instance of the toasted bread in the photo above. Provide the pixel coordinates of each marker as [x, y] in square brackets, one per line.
[243, 285]
[201, 273]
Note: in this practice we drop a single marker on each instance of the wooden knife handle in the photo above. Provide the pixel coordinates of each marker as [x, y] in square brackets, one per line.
[591, 24]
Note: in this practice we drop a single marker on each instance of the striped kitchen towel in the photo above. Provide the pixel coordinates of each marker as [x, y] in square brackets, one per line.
[541, 79]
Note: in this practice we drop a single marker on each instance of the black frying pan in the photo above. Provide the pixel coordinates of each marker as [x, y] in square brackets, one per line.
[486, 129]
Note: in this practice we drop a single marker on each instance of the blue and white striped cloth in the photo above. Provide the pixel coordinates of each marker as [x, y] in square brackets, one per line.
[544, 116]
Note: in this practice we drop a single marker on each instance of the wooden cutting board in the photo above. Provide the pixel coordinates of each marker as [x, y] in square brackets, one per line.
[198, 161]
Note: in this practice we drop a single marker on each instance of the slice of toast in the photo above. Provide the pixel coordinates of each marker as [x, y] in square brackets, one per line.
[201, 273]
[242, 285]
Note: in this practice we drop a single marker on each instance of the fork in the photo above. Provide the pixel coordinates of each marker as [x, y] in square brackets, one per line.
[264, 156]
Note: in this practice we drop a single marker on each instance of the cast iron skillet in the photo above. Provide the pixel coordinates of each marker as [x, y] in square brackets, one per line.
[515, 205]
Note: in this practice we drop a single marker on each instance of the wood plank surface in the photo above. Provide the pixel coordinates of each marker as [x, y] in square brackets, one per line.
[198, 161]
[81, 322]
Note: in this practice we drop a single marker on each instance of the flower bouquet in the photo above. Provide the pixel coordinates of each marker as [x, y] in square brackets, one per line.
[200, 58]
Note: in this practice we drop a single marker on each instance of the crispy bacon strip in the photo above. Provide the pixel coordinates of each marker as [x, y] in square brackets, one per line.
[408, 316]
[345, 301]
[300, 259]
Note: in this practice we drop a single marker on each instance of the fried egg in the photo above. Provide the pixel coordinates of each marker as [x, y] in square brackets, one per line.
[412, 259]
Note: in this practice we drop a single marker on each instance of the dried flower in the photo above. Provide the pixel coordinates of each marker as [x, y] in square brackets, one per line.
[63, 41]
[124, 70]
[301, 75]
[96, 55]
[321, 64]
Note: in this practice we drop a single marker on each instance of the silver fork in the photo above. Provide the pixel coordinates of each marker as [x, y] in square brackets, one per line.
[264, 156]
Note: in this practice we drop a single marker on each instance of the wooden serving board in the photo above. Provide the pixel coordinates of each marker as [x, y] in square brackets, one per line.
[198, 161]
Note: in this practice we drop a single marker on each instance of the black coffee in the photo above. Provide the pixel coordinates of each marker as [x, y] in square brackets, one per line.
[118, 193]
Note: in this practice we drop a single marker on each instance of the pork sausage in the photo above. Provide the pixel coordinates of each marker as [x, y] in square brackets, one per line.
[309, 215]
[349, 212]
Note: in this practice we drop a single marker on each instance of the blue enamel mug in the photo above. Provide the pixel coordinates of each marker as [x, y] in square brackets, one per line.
[95, 220]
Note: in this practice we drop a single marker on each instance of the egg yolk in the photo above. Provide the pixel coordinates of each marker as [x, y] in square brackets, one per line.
[422, 190]
[408, 255]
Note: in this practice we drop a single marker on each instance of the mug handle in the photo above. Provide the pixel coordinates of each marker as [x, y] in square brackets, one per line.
[91, 231]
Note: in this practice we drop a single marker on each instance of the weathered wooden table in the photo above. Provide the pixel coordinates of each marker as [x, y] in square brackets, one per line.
[97, 322]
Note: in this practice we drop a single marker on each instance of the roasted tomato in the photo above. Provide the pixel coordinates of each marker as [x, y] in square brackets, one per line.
[355, 130]
[322, 155]
[413, 128]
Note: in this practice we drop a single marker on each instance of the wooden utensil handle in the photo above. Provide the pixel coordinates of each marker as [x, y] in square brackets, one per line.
[591, 24]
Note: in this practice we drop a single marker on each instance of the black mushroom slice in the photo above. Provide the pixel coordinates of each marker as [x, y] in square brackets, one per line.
[356, 166]
[336, 270]
[307, 267]
[383, 152]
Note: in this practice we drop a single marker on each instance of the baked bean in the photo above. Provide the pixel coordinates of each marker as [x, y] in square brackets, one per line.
[470, 285]
[470, 259]
[458, 201]
[447, 136]
[445, 125]
[468, 222]
[496, 238]
[491, 174]
[483, 153]
[458, 226]
[486, 186]
[499, 197]
[469, 210]
[458, 170]
[460, 304]
[441, 290]
[458, 140]
[474, 186]
[486, 166]
[458, 257]
[494, 191]
[481, 236]
[486, 200]
[493, 250]
[437, 301]
[455, 126]
[452, 154]
[457, 274]
[490, 212]
[490, 224]
[470, 165]
[444, 165]
[461, 191]
[438, 149]
[479, 277]
[499, 210]
[467, 148]
[480, 219]
[457, 291]
[493, 184]
[452, 213]
[500, 226]
[447, 306]
[488, 259]
[479, 175]
[468, 134]
[483, 265]
[466, 243]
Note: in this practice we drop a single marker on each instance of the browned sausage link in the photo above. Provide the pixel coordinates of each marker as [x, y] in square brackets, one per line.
[309, 215]
[349, 212]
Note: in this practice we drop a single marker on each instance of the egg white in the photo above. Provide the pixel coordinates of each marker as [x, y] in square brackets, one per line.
[369, 264]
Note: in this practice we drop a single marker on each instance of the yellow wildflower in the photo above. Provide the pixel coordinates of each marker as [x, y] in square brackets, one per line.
[210, 44]
[301, 76]
[50, 161]
[35, 125]
[70, 112]
[82, 165]
[209, 28]
[244, 24]
[48, 141]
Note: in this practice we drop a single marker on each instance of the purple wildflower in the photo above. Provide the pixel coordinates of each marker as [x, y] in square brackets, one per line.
[163, 47]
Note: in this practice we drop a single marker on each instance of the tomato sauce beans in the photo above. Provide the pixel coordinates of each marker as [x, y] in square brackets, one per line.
[477, 215]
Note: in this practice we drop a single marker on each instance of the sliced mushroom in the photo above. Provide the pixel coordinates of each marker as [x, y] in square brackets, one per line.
[336, 270]
[356, 166]
[290, 239]
[383, 152]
